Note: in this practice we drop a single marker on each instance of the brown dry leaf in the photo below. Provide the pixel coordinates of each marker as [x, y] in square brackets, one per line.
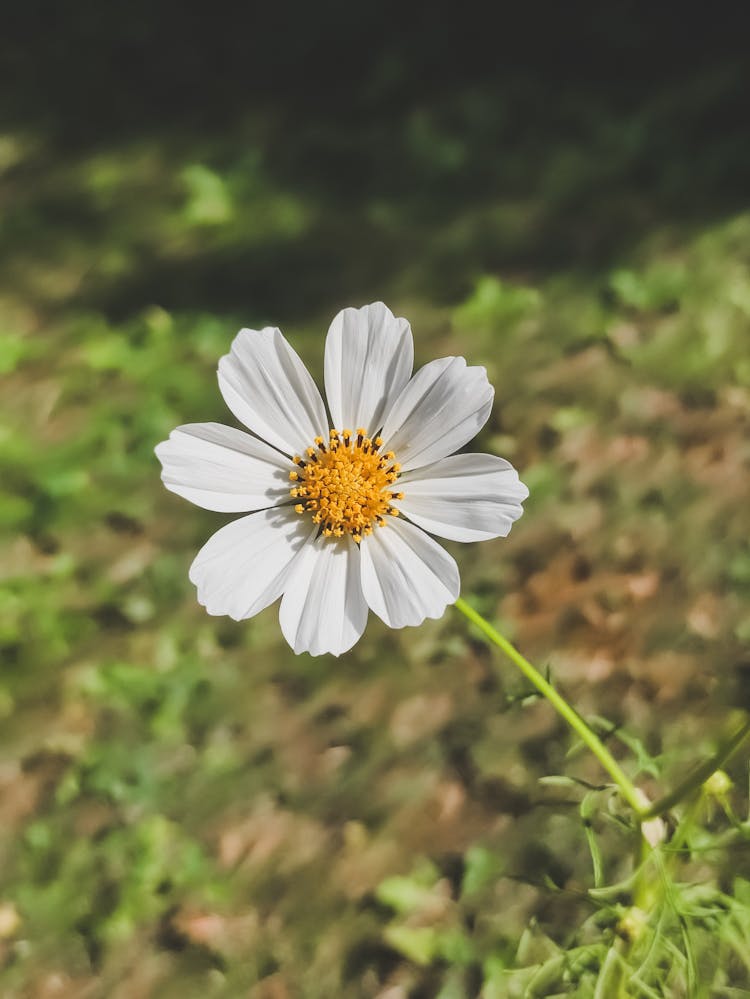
[419, 716]
[643, 585]
[10, 920]
[131, 563]
[231, 935]
[704, 617]
[253, 840]
[274, 987]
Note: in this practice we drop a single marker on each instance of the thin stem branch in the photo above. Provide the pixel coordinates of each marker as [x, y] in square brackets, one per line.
[701, 773]
[558, 702]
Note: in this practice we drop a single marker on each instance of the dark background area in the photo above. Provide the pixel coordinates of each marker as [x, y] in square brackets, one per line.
[398, 121]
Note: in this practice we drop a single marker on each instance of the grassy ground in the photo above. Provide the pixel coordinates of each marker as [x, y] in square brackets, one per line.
[187, 808]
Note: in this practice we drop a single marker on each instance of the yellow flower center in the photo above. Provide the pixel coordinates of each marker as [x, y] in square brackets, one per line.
[346, 484]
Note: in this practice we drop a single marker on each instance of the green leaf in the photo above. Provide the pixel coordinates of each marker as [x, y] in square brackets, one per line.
[418, 944]
[481, 867]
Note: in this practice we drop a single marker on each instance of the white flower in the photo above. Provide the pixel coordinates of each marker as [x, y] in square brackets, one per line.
[340, 516]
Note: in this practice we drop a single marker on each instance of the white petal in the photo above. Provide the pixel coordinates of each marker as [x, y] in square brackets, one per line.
[467, 497]
[243, 567]
[368, 361]
[323, 609]
[220, 468]
[269, 389]
[406, 576]
[443, 406]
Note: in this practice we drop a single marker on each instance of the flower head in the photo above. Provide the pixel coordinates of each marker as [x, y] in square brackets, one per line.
[339, 510]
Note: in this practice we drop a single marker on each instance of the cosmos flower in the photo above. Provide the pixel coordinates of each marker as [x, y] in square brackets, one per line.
[341, 511]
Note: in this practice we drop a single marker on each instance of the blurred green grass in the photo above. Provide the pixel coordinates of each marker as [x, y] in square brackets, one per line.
[188, 809]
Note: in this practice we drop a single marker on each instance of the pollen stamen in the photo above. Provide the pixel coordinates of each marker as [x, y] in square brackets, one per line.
[345, 486]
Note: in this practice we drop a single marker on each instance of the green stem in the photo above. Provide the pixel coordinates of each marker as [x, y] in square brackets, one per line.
[558, 702]
[701, 773]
